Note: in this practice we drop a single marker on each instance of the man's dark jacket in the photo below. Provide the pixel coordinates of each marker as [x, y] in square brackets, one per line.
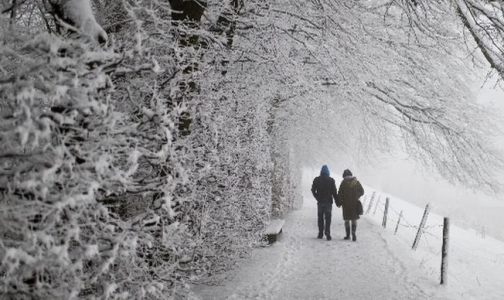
[324, 189]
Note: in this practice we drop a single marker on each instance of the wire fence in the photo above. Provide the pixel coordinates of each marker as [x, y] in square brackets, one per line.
[405, 223]
[427, 231]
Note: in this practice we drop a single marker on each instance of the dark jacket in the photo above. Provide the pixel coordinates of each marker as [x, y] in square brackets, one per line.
[324, 189]
[350, 191]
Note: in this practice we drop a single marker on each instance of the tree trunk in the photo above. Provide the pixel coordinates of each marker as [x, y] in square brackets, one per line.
[186, 16]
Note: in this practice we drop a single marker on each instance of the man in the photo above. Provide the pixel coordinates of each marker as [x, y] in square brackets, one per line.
[350, 191]
[324, 191]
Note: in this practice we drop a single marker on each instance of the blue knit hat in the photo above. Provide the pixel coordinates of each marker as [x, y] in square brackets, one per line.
[325, 170]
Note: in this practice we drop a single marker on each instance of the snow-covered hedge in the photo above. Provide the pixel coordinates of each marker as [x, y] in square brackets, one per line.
[104, 193]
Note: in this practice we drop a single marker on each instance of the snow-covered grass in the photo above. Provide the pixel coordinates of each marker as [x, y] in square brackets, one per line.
[475, 261]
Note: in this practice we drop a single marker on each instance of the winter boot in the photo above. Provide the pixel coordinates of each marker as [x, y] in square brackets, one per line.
[328, 236]
[354, 228]
[347, 229]
[320, 235]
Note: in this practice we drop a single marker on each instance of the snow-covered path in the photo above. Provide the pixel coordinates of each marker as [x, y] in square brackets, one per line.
[300, 266]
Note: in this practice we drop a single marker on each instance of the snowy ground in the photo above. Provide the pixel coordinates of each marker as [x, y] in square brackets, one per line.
[380, 265]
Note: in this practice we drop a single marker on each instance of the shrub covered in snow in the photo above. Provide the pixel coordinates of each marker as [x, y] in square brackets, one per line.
[106, 192]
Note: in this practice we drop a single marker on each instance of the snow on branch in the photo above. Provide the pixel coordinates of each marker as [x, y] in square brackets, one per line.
[485, 23]
[483, 19]
[78, 13]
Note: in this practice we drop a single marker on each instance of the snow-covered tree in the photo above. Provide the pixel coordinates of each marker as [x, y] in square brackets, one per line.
[368, 78]
[483, 20]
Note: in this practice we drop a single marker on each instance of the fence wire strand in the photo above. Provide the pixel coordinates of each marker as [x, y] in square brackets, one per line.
[403, 222]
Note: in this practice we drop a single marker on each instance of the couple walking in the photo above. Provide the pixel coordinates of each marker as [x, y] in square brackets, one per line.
[324, 190]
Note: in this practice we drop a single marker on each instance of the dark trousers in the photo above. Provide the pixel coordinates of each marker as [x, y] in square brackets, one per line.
[324, 218]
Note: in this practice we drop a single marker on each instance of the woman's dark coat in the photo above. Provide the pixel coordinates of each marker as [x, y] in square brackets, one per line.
[350, 191]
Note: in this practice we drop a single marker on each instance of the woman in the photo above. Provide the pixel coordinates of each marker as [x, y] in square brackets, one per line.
[350, 191]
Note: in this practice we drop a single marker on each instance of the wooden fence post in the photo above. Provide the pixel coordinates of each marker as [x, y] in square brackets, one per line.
[384, 223]
[398, 221]
[444, 251]
[376, 206]
[370, 203]
[420, 227]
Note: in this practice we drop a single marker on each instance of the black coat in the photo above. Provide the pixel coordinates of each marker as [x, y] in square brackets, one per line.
[324, 189]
